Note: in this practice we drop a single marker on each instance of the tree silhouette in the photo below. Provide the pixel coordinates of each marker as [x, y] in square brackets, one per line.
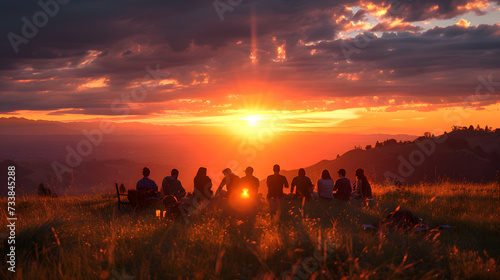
[390, 142]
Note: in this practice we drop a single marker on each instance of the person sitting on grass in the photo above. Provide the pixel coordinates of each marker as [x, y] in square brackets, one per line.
[232, 183]
[202, 184]
[303, 184]
[342, 187]
[172, 186]
[146, 193]
[275, 184]
[250, 182]
[325, 186]
[362, 188]
[145, 183]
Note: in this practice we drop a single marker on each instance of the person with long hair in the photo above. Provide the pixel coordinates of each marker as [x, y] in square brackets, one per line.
[362, 188]
[203, 184]
[325, 186]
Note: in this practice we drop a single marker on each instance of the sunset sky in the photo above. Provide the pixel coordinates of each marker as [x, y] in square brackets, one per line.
[294, 65]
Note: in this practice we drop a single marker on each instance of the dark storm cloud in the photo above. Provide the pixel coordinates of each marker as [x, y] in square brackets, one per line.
[188, 41]
[85, 24]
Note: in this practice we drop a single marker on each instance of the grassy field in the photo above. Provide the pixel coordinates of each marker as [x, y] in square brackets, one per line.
[88, 238]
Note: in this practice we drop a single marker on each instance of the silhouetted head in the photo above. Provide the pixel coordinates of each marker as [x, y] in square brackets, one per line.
[325, 175]
[146, 172]
[174, 173]
[302, 172]
[249, 171]
[226, 172]
[202, 172]
[341, 172]
[276, 168]
[360, 173]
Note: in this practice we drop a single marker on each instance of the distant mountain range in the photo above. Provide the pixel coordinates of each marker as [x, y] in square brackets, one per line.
[23, 126]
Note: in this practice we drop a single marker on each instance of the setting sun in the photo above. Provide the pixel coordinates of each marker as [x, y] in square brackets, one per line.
[253, 120]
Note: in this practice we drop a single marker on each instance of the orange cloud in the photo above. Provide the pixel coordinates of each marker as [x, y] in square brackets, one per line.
[374, 10]
[98, 83]
[463, 23]
[91, 56]
[478, 5]
[358, 26]
[395, 25]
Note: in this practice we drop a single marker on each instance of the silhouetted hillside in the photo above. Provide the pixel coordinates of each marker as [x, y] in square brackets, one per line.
[458, 155]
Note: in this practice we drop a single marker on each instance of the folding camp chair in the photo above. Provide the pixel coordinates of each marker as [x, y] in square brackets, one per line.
[126, 204]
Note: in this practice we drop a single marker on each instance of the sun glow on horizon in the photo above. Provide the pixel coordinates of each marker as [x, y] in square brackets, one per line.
[253, 120]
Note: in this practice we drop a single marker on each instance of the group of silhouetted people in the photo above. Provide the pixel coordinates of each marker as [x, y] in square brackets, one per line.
[173, 193]
[341, 189]
[326, 188]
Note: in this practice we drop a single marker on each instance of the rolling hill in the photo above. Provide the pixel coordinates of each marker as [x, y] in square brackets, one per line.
[456, 156]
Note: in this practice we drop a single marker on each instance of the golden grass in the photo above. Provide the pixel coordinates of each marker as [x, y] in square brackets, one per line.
[87, 238]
